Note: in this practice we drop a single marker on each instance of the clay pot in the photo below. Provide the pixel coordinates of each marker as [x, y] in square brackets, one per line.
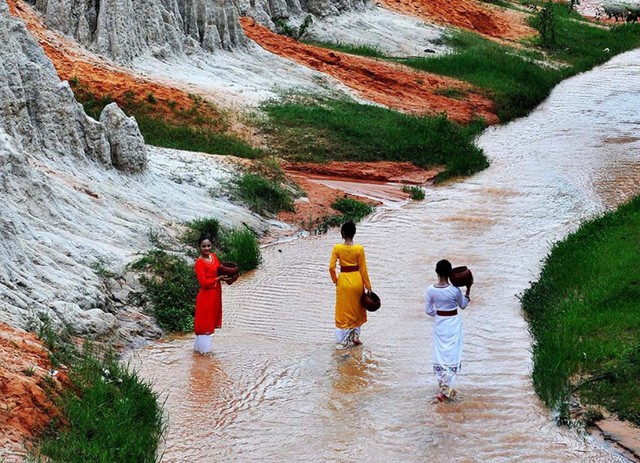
[370, 301]
[461, 276]
[230, 280]
[228, 269]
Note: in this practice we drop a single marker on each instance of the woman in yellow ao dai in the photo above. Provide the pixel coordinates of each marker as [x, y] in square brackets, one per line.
[350, 284]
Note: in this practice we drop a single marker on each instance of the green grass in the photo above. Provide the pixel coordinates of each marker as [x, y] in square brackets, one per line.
[328, 130]
[584, 314]
[158, 133]
[169, 281]
[513, 82]
[110, 415]
[360, 50]
[261, 194]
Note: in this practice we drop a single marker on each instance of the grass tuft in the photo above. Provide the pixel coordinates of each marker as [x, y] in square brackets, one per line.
[416, 193]
[360, 50]
[261, 194]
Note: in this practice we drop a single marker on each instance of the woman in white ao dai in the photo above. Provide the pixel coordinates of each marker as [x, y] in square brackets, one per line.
[442, 302]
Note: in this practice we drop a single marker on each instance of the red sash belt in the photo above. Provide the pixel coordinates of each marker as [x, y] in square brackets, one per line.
[447, 313]
[349, 268]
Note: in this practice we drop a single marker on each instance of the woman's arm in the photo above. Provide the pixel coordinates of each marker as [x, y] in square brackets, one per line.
[205, 281]
[461, 300]
[430, 306]
[332, 266]
[362, 263]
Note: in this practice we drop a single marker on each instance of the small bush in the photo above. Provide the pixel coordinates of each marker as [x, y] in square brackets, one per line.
[545, 23]
[206, 226]
[417, 193]
[262, 195]
[352, 209]
[241, 246]
[170, 287]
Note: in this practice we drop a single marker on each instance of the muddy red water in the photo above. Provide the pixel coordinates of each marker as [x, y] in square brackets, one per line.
[276, 390]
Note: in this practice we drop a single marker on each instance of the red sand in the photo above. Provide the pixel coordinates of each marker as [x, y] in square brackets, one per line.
[25, 407]
[472, 15]
[321, 196]
[394, 86]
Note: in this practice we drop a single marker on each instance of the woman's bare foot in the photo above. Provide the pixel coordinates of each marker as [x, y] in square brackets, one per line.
[441, 397]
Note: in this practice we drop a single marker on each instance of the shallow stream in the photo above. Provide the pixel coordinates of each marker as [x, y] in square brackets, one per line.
[276, 389]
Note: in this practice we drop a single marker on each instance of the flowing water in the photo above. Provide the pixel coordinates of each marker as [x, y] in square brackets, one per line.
[276, 390]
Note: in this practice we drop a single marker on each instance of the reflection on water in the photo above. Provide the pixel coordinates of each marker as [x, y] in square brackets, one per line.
[275, 389]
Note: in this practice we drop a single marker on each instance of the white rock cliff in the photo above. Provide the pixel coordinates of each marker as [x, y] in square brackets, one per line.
[78, 197]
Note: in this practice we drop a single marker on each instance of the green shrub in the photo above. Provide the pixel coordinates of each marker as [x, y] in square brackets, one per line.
[545, 23]
[241, 246]
[206, 226]
[170, 287]
[352, 209]
[261, 194]
[417, 193]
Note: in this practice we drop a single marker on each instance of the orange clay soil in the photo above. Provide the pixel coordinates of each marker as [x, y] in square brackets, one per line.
[101, 79]
[25, 403]
[394, 86]
[472, 15]
[320, 197]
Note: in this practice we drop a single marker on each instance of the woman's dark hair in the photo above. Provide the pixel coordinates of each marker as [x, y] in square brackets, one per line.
[202, 238]
[443, 268]
[348, 230]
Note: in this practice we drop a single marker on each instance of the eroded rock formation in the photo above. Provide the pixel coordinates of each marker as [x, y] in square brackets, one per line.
[124, 29]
